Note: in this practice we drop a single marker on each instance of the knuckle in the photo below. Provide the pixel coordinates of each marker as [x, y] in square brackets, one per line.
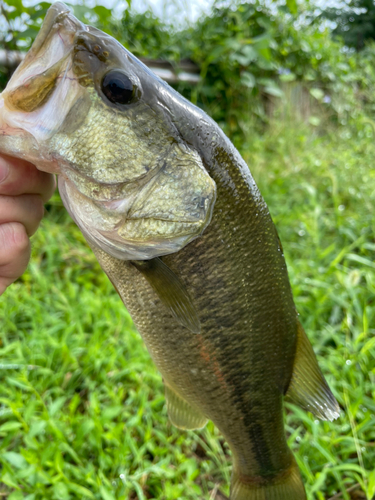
[14, 252]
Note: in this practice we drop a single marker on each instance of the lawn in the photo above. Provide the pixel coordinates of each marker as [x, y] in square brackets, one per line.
[82, 409]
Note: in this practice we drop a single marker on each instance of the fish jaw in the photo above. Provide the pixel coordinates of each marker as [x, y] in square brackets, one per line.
[41, 92]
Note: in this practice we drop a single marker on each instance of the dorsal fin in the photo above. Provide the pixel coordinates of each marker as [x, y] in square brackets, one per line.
[170, 291]
[308, 387]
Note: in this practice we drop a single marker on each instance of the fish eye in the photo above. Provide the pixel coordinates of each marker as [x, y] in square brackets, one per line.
[118, 88]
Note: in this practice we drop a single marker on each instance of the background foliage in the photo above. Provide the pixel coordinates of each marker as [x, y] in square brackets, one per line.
[246, 51]
[355, 23]
[82, 413]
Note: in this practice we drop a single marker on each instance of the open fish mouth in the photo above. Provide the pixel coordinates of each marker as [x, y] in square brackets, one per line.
[46, 61]
[41, 91]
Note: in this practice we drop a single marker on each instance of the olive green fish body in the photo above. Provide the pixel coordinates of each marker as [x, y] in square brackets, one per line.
[237, 369]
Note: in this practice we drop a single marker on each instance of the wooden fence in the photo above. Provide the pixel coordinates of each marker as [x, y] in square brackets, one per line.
[185, 71]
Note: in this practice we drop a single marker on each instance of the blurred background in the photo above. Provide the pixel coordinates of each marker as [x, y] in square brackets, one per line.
[292, 83]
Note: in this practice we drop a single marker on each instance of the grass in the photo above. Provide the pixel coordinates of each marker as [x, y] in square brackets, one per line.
[82, 412]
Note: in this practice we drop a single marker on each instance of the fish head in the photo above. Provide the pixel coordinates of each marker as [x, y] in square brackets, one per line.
[82, 106]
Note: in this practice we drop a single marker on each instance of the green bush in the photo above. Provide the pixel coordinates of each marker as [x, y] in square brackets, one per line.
[248, 54]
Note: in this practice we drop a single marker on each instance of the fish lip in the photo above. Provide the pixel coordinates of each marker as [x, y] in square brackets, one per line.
[60, 26]
[58, 13]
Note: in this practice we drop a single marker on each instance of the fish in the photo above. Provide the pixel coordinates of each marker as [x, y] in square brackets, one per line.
[176, 221]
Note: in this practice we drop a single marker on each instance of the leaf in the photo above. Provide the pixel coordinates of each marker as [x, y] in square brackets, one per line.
[56, 406]
[216, 53]
[18, 384]
[65, 447]
[29, 32]
[16, 495]
[112, 412]
[274, 90]
[360, 260]
[106, 495]
[314, 120]
[38, 14]
[317, 93]
[248, 79]
[292, 6]
[8, 480]
[247, 55]
[288, 77]
[77, 489]
[36, 428]
[61, 491]
[139, 490]
[10, 426]
[15, 459]
[371, 485]
[18, 5]
[369, 345]
[82, 12]
[103, 13]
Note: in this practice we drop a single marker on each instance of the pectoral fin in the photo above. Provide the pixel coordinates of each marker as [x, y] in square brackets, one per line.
[181, 414]
[170, 291]
[308, 387]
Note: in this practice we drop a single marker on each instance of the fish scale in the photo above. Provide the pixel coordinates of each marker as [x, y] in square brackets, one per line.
[235, 345]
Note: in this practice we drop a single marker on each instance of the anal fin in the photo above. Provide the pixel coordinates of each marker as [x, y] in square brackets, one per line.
[181, 414]
[308, 387]
[170, 291]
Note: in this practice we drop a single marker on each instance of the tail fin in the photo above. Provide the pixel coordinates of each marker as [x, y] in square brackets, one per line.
[288, 486]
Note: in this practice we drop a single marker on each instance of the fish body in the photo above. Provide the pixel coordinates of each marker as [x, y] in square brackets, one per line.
[177, 222]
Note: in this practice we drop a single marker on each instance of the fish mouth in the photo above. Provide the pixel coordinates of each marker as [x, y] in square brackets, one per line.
[41, 91]
[35, 78]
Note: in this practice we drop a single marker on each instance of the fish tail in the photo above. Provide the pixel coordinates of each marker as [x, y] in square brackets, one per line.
[287, 486]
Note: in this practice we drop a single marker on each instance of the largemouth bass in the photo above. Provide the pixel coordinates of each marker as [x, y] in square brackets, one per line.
[177, 222]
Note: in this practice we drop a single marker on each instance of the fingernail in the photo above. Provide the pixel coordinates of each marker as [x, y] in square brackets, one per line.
[4, 170]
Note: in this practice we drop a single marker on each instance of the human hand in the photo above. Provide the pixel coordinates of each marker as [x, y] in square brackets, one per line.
[23, 190]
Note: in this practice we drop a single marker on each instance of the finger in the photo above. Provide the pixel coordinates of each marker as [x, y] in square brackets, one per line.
[27, 209]
[14, 253]
[21, 177]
